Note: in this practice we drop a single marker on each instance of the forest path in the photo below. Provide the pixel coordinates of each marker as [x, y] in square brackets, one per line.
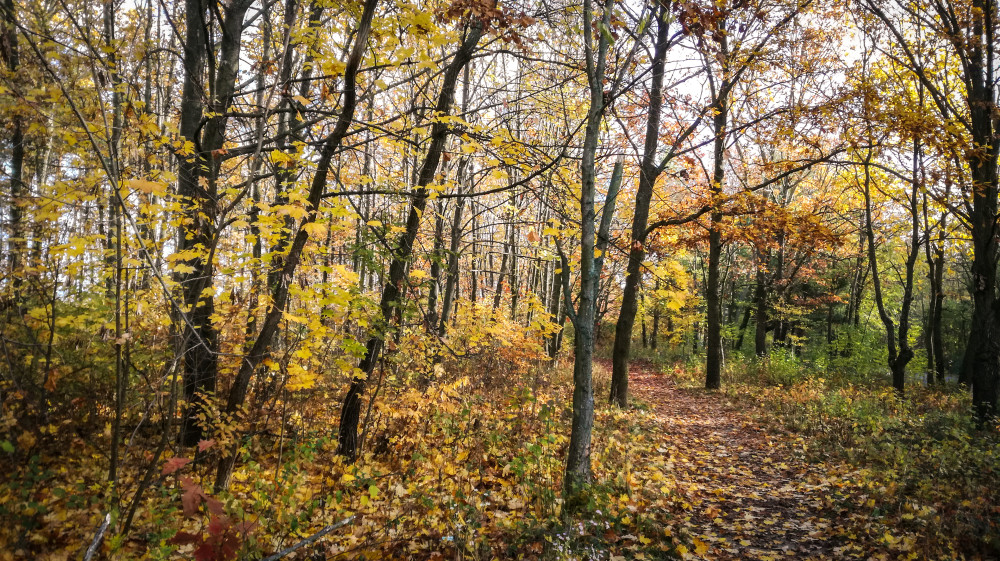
[743, 491]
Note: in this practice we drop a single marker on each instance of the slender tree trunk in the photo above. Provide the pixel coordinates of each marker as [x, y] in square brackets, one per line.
[431, 323]
[713, 299]
[555, 310]
[578, 469]
[16, 243]
[653, 335]
[454, 248]
[390, 304]
[498, 292]
[649, 171]
[760, 305]
[642, 320]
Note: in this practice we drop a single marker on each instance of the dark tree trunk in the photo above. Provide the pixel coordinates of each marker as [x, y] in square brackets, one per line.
[199, 340]
[760, 304]
[744, 323]
[390, 304]
[269, 326]
[16, 245]
[713, 299]
[642, 319]
[649, 171]
[653, 335]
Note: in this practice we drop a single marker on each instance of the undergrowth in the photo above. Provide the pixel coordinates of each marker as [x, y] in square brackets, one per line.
[456, 470]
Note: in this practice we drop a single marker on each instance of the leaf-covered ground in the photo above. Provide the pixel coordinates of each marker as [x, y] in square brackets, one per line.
[746, 492]
[471, 469]
[820, 471]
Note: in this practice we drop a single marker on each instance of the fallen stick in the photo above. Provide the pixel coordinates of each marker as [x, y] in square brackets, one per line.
[311, 539]
[97, 538]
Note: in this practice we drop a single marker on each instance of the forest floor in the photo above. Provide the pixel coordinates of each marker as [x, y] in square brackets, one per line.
[780, 464]
[752, 492]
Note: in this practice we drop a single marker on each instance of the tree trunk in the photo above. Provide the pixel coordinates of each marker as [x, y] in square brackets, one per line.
[431, 321]
[656, 328]
[713, 300]
[390, 304]
[199, 340]
[451, 282]
[556, 311]
[578, 469]
[16, 245]
[649, 171]
[760, 303]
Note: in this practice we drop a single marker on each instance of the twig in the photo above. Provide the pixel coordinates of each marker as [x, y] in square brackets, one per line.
[97, 538]
[309, 540]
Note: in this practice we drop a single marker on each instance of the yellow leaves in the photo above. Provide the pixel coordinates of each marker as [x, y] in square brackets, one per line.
[157, 188]
[299, 378]
[315, 230]
[295, 211]
[700, 547]
[282, 158]
[420, 21]
[26, 441]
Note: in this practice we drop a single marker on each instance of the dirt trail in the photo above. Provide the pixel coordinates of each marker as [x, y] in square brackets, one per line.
[747, 495]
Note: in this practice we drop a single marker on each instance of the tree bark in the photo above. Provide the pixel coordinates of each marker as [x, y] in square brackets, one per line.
[760, 306]
[649, 171]
[713, 299]
[16, 244]
[390, 303]
[578, 468]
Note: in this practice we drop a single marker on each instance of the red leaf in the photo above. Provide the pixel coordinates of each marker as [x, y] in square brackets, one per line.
[205, 553]
[174, 464]
[191, 498]
[219, 526]
[214, 505]
[205, 445]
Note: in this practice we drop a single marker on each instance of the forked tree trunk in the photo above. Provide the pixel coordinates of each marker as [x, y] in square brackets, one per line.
[649, 171]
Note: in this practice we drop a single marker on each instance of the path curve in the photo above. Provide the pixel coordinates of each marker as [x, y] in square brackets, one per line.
[745, 494]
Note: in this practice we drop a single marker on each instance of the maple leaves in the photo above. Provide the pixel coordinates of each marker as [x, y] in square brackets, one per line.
[221, 538]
